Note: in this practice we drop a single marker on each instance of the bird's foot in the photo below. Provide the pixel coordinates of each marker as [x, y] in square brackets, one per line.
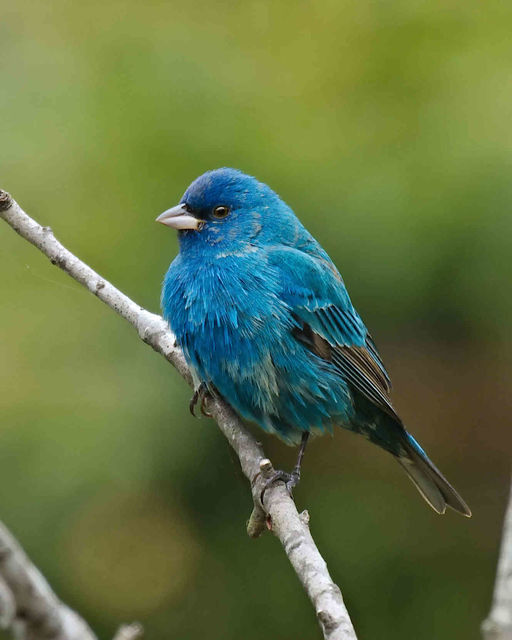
[200, 395]
[291, 480]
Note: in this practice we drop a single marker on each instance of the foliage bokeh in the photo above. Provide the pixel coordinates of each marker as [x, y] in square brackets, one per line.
[386, 126]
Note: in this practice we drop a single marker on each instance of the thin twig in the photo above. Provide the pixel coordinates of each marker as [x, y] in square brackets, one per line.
[498, 625]
[132, 631]
[279, 509]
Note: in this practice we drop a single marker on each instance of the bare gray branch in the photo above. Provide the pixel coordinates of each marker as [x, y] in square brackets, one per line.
[498, 625]
[279, 509]
[28, 605]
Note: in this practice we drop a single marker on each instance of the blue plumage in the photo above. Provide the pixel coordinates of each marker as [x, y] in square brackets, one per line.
[264, 319]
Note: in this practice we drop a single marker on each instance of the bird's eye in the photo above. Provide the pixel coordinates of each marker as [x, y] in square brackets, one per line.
[221, 211]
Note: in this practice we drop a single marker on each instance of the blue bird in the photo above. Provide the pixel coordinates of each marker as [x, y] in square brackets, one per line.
[265, 321]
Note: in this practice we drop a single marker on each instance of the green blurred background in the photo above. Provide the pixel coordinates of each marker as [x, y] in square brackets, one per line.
[387, 127]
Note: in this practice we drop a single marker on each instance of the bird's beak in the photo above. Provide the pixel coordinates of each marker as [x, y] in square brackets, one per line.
[179, 218]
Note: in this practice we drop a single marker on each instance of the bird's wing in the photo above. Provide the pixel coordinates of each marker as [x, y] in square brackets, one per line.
[327, 323]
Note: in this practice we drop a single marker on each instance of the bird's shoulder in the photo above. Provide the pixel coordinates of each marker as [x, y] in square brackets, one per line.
[308, 276]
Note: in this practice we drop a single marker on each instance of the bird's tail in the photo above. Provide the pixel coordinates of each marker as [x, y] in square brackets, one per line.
[429, 481]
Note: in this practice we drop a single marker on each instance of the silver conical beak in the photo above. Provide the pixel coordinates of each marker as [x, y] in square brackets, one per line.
[179, 218]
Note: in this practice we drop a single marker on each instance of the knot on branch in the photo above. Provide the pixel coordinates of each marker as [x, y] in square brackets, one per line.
[60, 261]
[5, 200]
[330, 623]
[259, 520]
[304, 517]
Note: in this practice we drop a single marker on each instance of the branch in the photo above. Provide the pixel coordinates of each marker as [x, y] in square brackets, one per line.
[29, 607]
[498, 625]
[291, 528]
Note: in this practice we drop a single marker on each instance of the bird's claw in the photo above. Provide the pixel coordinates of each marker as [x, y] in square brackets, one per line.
[200, 395]
[291, 480]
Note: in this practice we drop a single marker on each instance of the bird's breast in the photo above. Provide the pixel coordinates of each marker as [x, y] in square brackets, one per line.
[223, 305]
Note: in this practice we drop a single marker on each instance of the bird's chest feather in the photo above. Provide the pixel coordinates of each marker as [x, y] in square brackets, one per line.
[226, 313]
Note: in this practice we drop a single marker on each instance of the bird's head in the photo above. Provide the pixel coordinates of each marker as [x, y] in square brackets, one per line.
[225, 207]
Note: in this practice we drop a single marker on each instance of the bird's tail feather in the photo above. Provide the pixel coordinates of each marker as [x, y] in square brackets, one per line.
[429, 481]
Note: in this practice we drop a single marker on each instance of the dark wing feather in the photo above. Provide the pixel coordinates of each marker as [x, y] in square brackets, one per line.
[361, 370]
[360, 365]
[327, 323]
[370, 345]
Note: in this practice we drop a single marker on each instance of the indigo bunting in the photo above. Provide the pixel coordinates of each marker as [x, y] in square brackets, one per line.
[265, 321]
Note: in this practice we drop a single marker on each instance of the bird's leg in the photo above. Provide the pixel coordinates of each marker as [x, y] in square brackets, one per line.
[291, 480]
[296, 470]
[200, 394]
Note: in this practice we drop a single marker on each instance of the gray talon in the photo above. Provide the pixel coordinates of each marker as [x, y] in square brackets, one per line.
[291, 480]
[200, 394]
